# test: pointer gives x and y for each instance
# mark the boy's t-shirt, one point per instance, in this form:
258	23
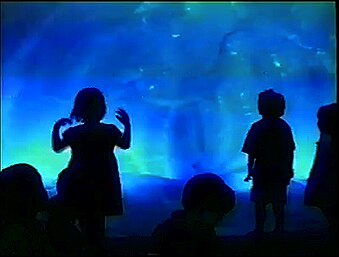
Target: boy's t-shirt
270	142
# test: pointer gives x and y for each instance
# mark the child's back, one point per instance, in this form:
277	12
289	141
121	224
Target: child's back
92	147
270	141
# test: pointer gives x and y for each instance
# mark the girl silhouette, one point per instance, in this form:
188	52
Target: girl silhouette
93	188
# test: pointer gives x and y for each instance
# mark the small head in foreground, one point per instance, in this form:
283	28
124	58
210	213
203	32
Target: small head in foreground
22	193
328	118
208	197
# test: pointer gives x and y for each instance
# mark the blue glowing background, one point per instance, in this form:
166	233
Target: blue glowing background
187	73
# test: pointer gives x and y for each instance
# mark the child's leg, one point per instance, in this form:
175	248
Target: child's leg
260	216
279	215
94	229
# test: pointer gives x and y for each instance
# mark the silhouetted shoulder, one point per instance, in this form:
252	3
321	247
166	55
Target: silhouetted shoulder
271	123
176	237
166	228
268	132
112	129
69	133
81	132
283	124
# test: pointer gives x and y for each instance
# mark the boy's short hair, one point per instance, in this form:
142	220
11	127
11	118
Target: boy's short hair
210	190
271	104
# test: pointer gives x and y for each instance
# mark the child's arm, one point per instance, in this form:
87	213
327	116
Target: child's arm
248	148
57	144
125	141
250	164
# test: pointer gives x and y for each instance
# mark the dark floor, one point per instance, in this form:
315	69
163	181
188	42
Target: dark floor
296	243
306	227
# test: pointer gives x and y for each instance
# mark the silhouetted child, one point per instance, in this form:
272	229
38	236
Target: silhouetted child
270	148
22	198
322	185
191	231
94	187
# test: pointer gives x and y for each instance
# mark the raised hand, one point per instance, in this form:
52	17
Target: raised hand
248	178
63	122
122	116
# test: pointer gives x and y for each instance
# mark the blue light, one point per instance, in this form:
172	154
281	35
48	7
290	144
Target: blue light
189	102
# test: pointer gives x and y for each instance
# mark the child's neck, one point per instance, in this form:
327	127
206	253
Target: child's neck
93	122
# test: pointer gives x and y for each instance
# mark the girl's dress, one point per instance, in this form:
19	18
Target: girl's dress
94	181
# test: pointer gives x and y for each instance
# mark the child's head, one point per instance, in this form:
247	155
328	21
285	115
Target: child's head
208	195
22	193
327	118
271	104
89	105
